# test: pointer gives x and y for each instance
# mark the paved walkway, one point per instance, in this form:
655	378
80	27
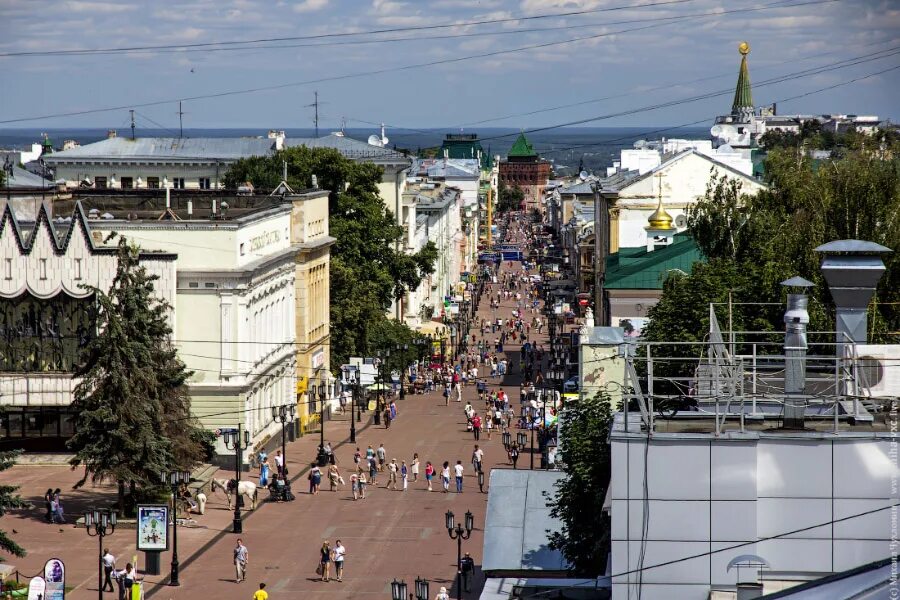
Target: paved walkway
390	534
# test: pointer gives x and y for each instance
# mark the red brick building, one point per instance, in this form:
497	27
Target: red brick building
523	168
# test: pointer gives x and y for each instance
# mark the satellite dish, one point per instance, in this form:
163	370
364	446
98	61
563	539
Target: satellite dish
681	221
375	140
640	144
715	130
583	175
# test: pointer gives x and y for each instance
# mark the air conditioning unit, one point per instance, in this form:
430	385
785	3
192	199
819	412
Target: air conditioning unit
876	370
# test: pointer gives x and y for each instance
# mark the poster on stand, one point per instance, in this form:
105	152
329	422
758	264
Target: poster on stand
55	579
36	588
152	527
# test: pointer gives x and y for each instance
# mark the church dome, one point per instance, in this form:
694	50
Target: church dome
660	219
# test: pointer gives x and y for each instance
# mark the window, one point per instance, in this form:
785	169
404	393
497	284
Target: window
178	183
100	183
43	268
77	268
127	183
8	268
204	183
242	250
153	183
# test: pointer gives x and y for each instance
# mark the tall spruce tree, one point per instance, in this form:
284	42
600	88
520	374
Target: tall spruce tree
133	414
9	500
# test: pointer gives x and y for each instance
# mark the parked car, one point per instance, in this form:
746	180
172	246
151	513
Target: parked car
571	384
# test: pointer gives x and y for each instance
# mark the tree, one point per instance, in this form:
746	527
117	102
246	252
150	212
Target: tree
752	243
9	500
132	404
510	198
369	267
584	440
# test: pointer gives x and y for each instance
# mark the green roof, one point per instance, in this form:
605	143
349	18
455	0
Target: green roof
637	269
743	97
465	146
522	148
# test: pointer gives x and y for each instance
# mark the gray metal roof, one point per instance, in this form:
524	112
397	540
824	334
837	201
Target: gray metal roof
852	246
872	581
515	529
581	187
349	147
452	168
121	148
22	178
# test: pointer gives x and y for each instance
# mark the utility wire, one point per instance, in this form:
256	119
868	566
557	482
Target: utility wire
350	33
386	69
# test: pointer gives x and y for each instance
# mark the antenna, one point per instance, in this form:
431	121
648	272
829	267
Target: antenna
315	105
384	139
132	123
343	124
180	123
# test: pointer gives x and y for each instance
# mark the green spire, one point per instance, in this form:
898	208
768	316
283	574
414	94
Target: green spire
743	97
522	148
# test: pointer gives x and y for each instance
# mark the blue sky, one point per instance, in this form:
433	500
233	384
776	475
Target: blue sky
641	68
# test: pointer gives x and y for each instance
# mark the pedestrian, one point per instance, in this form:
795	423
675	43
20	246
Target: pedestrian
315	478
415	467
477	458
387	417
361	484
445	476
392	475
129	577
382	457
357	456
109	564
393	407
442	594
514	455
476	426
279	462
354	485
48	502
404	474
373	471
339	553
333	477
264	472
58	512
467	566
325	559
241	558
458	469
429	474
329	453
261	593
369	452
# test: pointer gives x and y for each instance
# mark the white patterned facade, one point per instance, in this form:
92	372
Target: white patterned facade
42	264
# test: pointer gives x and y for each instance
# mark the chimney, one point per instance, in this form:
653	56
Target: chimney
749	591
110	134
852	269
278	136
190	208
168	198
796	318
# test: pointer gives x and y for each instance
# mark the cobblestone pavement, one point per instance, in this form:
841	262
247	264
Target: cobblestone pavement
390	534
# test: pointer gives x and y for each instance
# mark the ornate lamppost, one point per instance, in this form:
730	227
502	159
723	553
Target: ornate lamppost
99	524
285	414
235	441
174	479
458	532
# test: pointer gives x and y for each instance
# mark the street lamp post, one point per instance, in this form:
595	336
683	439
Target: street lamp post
398	590
403	366
102	523
422	589
353	400
323	395
457	532
521	440
234	441
174	479
285	414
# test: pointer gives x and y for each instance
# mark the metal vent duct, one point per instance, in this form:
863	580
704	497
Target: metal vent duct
852	269
796	319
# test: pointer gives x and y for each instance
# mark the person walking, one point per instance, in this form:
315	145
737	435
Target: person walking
429	474
467	567
392	475
315	478
476	426
414	467
445	476
241	558
442	594
48	502
458	470
382	457
261	593
404	475
59	515
333	477
264	472
339	553
325	560
109	565
361	484
373	471
477	458
279	462
354	485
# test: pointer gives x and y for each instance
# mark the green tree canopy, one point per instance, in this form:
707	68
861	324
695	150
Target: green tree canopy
584	440
752	243
9	500
132	404
369	265
510	198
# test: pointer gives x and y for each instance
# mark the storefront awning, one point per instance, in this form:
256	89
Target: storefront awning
435	329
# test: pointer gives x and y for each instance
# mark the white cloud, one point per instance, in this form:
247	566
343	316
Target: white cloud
97	7
388	7
305	6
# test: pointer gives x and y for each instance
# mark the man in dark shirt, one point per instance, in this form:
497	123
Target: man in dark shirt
467	566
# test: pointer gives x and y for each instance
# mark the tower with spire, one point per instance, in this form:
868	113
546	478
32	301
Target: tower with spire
742	108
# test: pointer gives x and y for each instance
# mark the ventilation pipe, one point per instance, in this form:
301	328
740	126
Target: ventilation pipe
852	269
168	198
190	208
749	591
796	319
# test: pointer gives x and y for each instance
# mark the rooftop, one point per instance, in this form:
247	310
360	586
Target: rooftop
522	148
350	148
122	148
453	168
637	269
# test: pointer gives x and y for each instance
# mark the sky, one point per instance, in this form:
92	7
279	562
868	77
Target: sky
628	60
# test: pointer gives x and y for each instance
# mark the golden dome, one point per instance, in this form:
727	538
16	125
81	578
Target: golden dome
660	219
744	48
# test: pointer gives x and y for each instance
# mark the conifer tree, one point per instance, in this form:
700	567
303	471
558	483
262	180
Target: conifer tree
131	403
9	500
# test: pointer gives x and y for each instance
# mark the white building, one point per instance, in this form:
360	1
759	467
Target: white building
234	304
46	318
